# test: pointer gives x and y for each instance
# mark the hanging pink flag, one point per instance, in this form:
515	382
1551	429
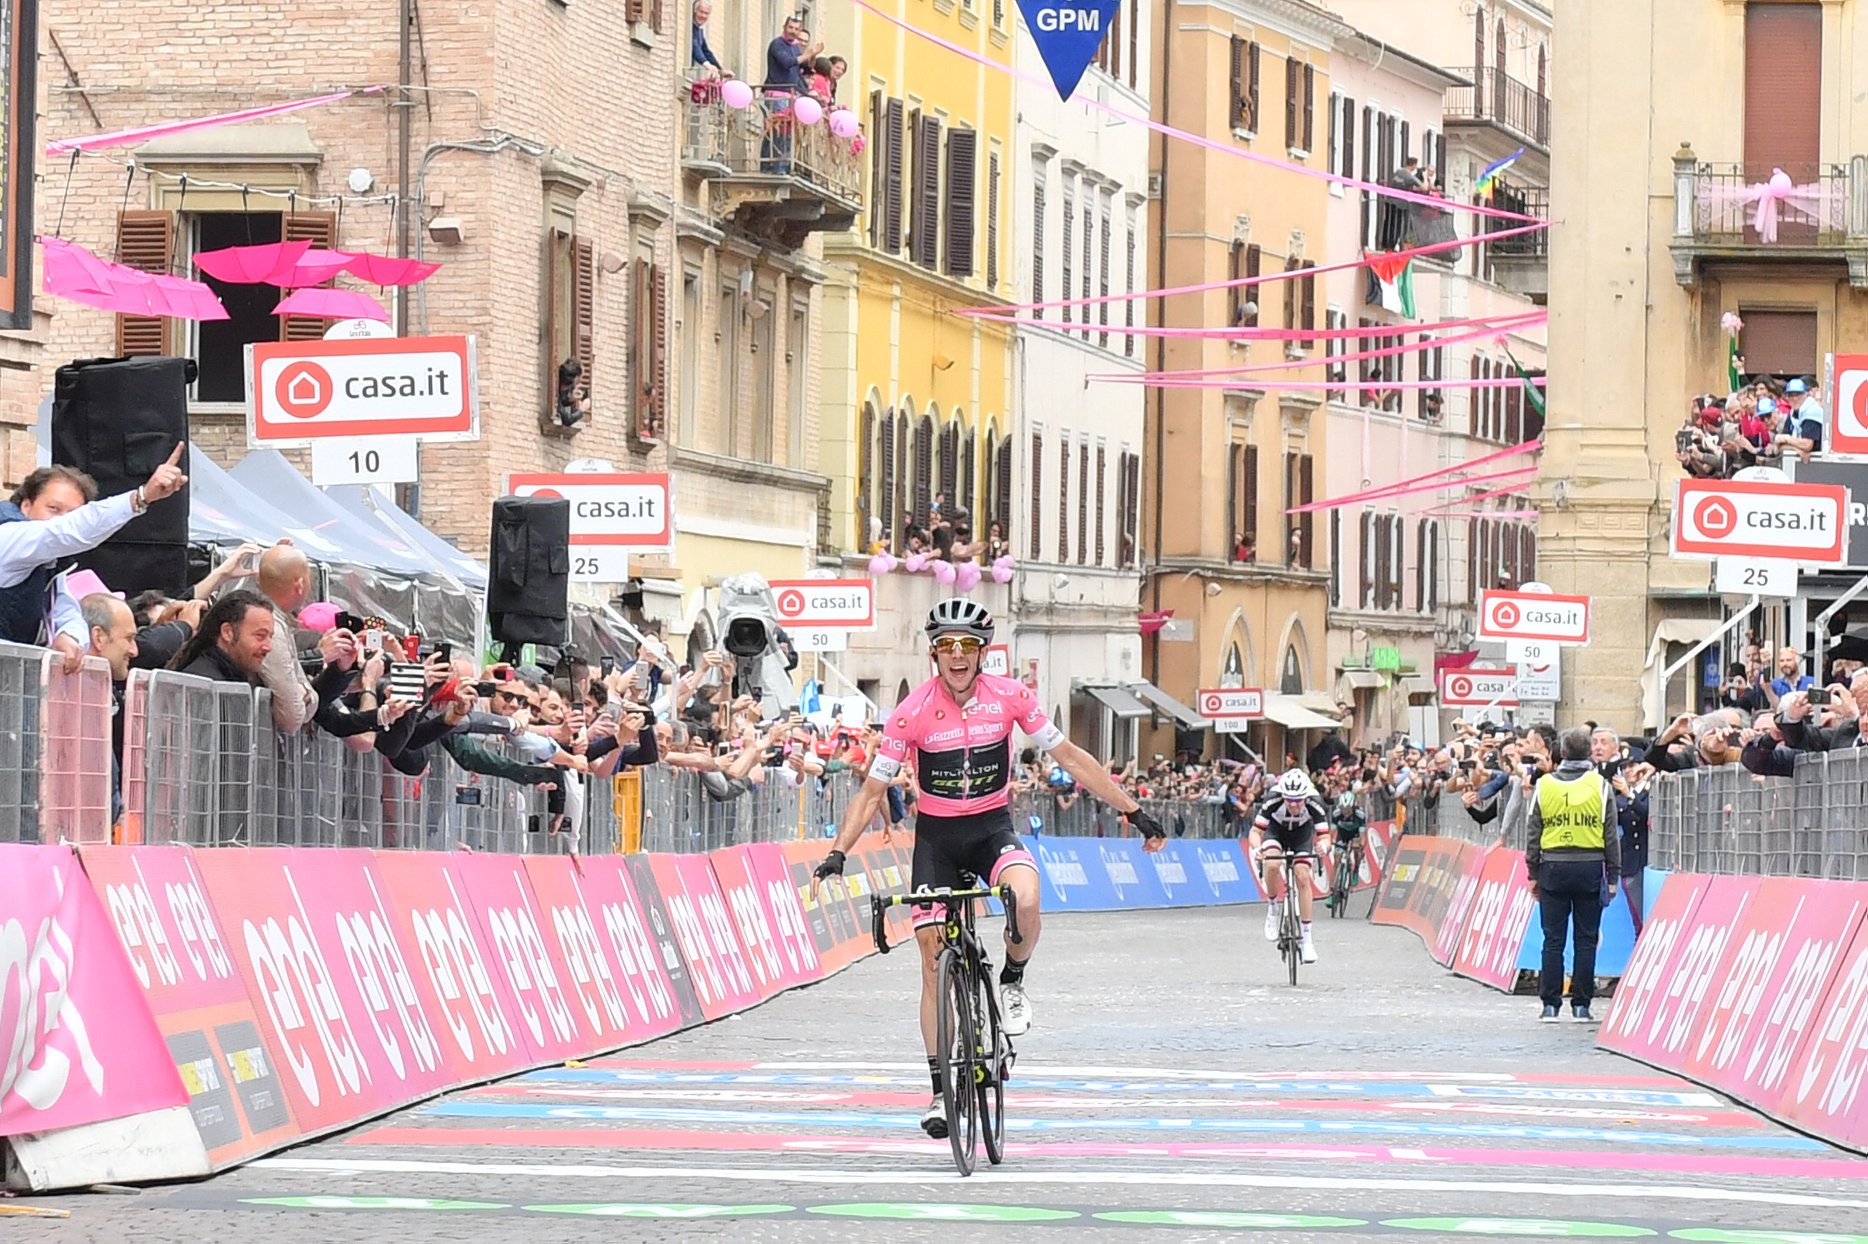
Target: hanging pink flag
81	1044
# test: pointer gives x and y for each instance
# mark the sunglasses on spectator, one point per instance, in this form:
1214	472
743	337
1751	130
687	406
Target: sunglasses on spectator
957	643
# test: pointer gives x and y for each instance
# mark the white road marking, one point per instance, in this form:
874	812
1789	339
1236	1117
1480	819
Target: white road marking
817	1175
1172	1073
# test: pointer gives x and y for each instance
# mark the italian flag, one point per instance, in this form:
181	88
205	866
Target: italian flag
1392	275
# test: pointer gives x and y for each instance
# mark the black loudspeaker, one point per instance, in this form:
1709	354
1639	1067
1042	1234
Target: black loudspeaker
117	420
528	586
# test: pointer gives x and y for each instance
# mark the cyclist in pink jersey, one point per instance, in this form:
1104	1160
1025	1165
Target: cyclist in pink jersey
958	726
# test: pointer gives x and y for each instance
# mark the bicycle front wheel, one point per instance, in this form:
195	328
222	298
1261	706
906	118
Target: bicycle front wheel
1293	928
956	1035
994	1052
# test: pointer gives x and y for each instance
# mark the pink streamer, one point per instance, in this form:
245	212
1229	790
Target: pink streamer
1350	386
1375	493
143	133
1406	486
1287	364
1169	131
1500	325
1240	282
1509	490
1443	512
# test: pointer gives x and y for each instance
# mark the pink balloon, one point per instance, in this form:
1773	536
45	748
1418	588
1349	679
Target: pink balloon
1001	573
966	576
843	123
736	94
916	563
944	572
807	110
1007	561
881	564
1781	185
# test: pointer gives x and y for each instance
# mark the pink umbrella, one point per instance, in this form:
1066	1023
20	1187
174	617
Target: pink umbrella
388	270
191	299
133	292
311	268
249	265
331	304
70	269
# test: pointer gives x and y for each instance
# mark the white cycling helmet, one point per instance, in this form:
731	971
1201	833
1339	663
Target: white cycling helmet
1295	785
958	615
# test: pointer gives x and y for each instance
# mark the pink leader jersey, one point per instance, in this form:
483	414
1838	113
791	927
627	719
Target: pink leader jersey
964	764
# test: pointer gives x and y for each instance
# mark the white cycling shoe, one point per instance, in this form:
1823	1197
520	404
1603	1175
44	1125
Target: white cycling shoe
1307	950
1271	922
1014	1010
934	1119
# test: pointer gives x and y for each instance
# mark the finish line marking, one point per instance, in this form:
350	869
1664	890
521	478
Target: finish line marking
1183	1073
816	1174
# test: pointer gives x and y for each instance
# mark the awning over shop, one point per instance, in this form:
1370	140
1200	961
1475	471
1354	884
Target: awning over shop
1412	685
1187	718
1361	680
1289	712
1119	701
1668	631
1321	702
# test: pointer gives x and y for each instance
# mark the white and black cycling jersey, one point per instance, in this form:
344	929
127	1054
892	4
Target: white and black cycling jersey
1275	816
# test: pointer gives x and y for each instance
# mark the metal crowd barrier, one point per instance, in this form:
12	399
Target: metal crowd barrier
1090	818
1447	816
1729	820
55	748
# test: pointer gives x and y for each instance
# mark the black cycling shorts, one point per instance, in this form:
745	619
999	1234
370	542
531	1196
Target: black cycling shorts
1294	841
951	850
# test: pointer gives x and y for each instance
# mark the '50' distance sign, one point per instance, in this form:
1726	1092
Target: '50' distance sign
825	604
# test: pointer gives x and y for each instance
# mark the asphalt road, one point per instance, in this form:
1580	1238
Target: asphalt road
1174	1086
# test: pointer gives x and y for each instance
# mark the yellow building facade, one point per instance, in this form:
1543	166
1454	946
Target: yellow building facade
1221	465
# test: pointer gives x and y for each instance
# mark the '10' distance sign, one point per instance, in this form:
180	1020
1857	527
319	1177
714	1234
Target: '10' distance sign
1534	615
825	604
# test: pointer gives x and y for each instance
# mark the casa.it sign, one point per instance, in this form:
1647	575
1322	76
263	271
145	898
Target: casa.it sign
825	604
1473	687
1534	615
1230	703
1849	433
616	510
301	391
1803	523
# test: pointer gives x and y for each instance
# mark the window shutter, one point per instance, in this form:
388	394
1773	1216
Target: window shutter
657	10
658	354
584	309
1306	493
1101	481
1238	83
1291	296
969	477
1102	308
1089	241
1063	500
1251	87
1037	496
888	508
1253	256
633	10
924	469
1235	294
926	241
146	242
641	345
1349	138
992	220
1310	105
1128	304
1307	314
1293	86
320	229
950	462
1131	522
878	168
1248	521
1235	478
894	130
1083	505
962	175
1070	225
1002	485
1406	144
1037	246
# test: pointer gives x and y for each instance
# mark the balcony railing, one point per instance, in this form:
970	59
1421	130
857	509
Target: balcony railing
764	142
1498	97
1526	201
1736	206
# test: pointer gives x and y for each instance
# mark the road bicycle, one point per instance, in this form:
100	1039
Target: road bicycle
976	1054
1343	868
1290	918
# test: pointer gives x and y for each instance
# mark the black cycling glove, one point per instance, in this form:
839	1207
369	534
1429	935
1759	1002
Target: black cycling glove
831	867
1144	824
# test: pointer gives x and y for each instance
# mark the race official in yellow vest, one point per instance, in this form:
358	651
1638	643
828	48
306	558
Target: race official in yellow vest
1574	857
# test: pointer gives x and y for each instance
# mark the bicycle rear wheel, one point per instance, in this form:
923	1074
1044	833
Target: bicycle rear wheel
1292	939
956	1035
994	1047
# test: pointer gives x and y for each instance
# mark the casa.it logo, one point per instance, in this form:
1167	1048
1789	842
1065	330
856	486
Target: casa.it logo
1212	704
304	390
550	494
1459	688
791	603
1504	615
1852	403
1715	517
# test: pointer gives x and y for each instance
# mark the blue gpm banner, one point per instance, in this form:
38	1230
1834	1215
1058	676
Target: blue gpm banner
1067	34
1109	874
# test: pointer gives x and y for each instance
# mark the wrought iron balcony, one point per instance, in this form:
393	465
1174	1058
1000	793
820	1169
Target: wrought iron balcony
1521	264
1808	213
1497	98
774	177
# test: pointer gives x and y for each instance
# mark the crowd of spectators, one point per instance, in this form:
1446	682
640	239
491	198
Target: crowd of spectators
1760	424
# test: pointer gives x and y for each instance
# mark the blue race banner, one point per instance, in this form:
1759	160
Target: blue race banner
1067	33
1132	878
1612	952
1074	876
1182	879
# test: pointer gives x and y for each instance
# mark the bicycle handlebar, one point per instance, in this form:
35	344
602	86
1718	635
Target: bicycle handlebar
879	905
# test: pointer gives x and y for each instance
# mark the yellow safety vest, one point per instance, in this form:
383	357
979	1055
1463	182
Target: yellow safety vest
1571	810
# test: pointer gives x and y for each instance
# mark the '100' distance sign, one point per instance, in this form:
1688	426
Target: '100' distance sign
825	604
1805	523
1231	703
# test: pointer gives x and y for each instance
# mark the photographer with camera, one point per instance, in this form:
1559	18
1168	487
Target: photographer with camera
1696	444
1844	714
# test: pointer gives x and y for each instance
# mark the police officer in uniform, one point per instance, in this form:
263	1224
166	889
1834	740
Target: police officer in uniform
1575	860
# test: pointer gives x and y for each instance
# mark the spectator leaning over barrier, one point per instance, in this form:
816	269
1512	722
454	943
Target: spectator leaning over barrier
1764	752
232	642
55	514
113	637
285	580
1845	723
1575	863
